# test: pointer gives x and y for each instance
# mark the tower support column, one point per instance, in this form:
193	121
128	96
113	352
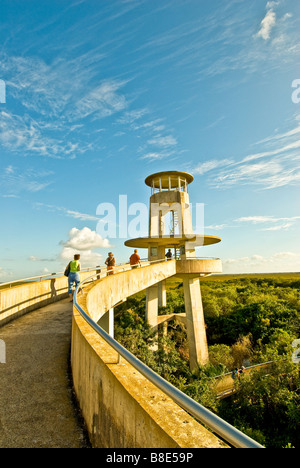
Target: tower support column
195	323
162	294
152	305
107	322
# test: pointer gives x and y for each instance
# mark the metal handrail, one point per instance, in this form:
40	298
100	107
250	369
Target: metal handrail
217	425
50	276
254	366
57	275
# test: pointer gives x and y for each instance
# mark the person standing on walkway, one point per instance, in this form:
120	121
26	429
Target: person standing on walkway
135	260
110	262
169	255
74	277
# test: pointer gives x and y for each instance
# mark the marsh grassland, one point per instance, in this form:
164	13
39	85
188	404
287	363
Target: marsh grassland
250	319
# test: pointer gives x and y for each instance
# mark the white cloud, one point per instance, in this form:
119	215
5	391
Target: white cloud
156	156
268	175
280	150
274	223
81	241
50	89
217	227
280	136
24	134
255	219
258	258
271	172
278	228
61	96
132	116
81	216
85	240
163	141
265	219
102	101
208	166
272	4
285	255
33	258
277	165
276	263
267	23
14	181
69	213
88	258
9	170
5	275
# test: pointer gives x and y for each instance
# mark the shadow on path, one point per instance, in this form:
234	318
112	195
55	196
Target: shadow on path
37	407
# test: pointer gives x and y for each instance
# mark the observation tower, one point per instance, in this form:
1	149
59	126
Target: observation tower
171	229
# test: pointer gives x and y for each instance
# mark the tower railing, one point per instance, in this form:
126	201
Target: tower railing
224	430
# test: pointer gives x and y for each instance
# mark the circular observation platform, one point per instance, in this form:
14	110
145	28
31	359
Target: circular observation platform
169	180
168	241
198	266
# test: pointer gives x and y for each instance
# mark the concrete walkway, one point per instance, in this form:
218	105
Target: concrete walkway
36	399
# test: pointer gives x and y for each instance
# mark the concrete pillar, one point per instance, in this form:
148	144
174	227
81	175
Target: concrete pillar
107	322
163	333
156	295
2	352
98	271
162	294
196	332
152	305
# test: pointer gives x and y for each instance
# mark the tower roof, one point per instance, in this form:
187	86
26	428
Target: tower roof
168	179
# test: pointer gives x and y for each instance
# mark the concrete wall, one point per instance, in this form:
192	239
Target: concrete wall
113	289
203	265
121	408
19	300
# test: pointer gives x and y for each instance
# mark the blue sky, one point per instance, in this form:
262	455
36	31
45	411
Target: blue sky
102	93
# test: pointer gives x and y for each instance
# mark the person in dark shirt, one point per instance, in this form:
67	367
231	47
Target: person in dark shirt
169	255
110	262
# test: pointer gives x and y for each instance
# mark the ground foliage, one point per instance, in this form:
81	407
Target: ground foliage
249	320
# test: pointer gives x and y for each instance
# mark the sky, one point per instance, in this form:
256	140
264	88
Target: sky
95	95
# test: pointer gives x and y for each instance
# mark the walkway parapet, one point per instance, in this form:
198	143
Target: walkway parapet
200	413
22	296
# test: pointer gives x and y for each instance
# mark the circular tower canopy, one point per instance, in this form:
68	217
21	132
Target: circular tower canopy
169	180
197	240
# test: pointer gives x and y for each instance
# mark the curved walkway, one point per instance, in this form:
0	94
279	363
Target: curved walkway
36	398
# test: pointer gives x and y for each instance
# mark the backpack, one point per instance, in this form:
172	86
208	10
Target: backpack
67	270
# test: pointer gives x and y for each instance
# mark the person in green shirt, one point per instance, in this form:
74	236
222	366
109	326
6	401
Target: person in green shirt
74	277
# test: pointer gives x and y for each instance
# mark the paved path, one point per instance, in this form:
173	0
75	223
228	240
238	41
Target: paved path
36	399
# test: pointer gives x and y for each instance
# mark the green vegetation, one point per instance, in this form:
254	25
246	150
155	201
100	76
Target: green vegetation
250	320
